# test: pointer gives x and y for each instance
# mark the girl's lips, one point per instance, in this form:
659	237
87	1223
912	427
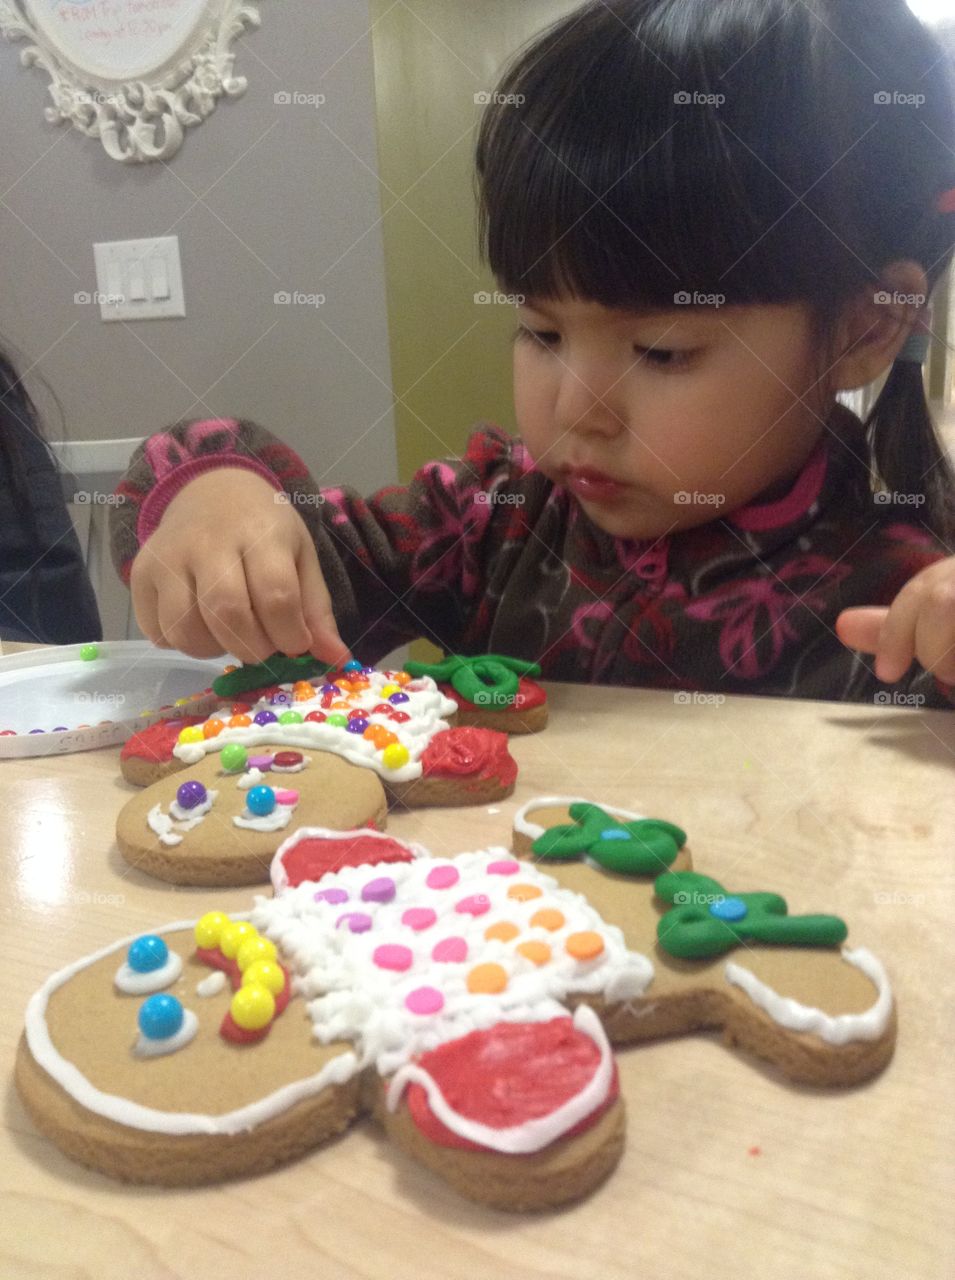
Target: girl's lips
593	486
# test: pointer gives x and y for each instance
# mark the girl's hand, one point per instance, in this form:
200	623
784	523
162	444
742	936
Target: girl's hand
232	568
920	623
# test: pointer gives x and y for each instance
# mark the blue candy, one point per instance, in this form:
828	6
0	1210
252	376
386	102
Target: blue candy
261	801
147	954
728	909
160	1017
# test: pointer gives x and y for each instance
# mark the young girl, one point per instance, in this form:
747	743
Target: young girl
718	215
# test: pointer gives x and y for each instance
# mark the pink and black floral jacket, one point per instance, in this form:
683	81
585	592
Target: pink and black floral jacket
484	554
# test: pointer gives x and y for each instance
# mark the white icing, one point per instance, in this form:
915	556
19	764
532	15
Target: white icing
212	984
532	830
835	1029
277	871
530	1135
278	819
133	1114
132	983
170	827
427	707
146	1048
254	778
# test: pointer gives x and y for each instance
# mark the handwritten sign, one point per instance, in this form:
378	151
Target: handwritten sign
120	39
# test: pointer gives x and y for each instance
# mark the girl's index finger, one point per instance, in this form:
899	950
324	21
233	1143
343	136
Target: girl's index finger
861	628
896	648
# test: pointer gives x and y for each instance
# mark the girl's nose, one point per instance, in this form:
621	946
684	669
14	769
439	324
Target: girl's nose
588	403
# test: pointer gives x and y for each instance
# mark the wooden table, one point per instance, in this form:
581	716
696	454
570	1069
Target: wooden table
727	1171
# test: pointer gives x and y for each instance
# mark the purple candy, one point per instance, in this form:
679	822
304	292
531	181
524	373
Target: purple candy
358	922
398	697
265	717
358	725
281	698
36	730
262	763
190	794
381	890
59	728
334	896
367	671
330	688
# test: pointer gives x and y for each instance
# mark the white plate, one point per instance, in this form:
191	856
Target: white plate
129	686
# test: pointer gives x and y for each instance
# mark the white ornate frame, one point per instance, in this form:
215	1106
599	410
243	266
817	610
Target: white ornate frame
141	116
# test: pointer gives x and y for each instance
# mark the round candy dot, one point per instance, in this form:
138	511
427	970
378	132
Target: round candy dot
212	728
36	730
303	695
357	921
8	733
393	956
239	722
401	677
504	931
358	725
303	686
388	689
233	935
209	928
260	801
548	918
262	763
61	728
400	717
341	704
487	979
88	652
357	714
160	1016
524	892
475	905
286	796
382	709
424	1000
337	718
239	708
419	918
352	665
265	717
443	877
147	954
330	688
334	896
378	735
291	717
586	945
380	890
233	757
191	733
252	949
505	867
252	1007
191	794
315	717
537	952
450	950
288	759
728	909
395	698
265	973
395	755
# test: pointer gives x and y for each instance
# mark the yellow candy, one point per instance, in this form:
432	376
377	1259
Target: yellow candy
209	928
394	756
253	949
180	702
233	935
191	733
387	689
253	1007
265	973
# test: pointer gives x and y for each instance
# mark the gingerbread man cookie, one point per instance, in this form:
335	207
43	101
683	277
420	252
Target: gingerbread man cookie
491	691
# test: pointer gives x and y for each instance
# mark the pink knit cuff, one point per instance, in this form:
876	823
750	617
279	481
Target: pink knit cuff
158	499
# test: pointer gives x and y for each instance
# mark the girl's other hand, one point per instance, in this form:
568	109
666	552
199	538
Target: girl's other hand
919	624
232	569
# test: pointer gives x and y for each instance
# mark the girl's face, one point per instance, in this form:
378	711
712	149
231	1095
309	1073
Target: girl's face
661	421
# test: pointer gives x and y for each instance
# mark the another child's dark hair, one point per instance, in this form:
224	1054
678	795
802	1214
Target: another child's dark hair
606	172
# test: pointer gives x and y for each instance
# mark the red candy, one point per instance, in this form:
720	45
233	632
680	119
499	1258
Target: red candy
240	708
287	759
316	717
399	716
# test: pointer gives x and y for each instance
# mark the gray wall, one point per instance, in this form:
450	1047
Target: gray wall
289	211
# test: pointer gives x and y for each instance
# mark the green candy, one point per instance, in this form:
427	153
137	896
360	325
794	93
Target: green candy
486	680
233	757
638	848
89	652
290	717
337	718
277	669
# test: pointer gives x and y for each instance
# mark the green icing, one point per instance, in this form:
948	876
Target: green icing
277	669
691	931
637	848
487	680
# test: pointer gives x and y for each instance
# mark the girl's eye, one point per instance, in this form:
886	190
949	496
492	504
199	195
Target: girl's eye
662	358
542	338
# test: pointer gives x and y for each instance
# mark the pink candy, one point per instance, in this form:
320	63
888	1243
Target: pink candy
424	1000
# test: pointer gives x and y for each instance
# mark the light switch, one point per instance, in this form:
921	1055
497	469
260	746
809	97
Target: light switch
139	279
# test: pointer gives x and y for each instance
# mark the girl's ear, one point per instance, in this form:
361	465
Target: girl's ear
874	326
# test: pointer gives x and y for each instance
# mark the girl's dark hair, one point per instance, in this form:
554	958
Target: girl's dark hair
608	170
17	415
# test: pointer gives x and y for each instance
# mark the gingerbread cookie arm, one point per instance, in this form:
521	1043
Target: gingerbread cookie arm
460	766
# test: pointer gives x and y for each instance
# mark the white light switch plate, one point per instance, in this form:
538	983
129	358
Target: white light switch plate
139	279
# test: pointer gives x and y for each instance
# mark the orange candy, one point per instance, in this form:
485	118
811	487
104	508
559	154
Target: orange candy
240	722
341	704
212	728
303	695
524	892
502	932
380	736
584	946
401	677
487	979
537	952
548	919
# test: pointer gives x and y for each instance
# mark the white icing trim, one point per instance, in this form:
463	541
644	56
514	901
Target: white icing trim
252	778
532	1135
532	829
837	1029
185	819
277	872
133	983
277	820
132	1114
211	984
146	1048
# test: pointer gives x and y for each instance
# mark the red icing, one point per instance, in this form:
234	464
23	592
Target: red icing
229	1029
469	753
506	1075
529	694
314	856
156	742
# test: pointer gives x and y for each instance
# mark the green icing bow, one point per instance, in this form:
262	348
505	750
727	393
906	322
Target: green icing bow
487	680
277	669
706	920
637	848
